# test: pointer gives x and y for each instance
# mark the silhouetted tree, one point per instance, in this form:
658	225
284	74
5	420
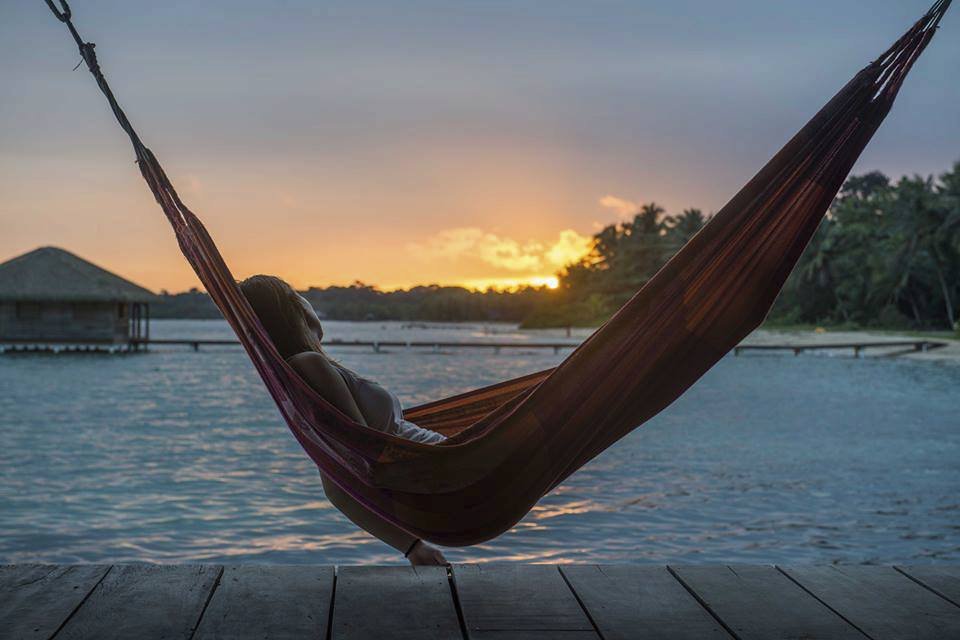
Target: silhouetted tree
885	255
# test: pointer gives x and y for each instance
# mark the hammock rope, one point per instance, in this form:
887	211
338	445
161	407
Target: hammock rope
512	442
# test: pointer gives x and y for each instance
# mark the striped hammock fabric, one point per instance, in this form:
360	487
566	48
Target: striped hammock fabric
513	442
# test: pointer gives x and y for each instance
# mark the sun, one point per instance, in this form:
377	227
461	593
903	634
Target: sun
550	282
510	283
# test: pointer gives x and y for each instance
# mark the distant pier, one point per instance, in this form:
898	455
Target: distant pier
378	346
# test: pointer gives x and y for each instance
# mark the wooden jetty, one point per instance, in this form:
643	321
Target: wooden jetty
63	347
144	344
380	345
485	601
797	349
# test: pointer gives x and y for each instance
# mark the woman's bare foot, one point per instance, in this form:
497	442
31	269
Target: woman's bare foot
425	554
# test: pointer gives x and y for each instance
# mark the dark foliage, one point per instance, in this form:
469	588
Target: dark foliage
193	304
426	303
886	255
362	302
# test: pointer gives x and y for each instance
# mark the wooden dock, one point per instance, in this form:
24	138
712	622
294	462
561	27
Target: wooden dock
488	601
900	346
380	345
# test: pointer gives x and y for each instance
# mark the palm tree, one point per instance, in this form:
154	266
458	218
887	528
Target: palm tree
648	220
686	225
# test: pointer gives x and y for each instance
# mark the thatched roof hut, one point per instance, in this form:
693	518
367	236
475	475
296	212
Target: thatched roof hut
51	295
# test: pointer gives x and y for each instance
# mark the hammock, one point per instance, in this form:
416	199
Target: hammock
511	443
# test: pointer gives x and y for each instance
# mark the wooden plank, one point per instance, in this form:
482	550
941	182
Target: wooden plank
144	601
36	599
881	601
759	602
941	578
627	602
514	601
269	601
394	602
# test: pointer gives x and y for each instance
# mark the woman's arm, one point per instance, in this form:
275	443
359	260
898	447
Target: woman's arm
324	378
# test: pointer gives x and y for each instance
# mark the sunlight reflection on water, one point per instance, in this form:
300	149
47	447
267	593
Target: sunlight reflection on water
176	456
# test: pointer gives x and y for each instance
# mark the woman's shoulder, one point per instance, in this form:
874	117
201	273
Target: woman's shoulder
319	371
315	365
306	357
311	363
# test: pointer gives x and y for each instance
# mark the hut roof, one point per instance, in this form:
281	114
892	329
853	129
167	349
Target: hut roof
51	273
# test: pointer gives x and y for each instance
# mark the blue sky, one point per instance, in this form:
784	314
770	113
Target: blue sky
424	141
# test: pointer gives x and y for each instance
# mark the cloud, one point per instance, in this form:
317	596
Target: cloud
570	247
624	208
503	252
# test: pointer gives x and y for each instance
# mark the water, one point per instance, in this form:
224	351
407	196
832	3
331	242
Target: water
176	456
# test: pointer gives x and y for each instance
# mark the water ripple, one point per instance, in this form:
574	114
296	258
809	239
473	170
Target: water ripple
176	456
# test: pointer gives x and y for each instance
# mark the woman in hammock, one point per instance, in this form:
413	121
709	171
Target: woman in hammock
295	329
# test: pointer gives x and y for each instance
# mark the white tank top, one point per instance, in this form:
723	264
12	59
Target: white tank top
382	409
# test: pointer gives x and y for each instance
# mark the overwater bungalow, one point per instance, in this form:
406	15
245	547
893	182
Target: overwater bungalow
51	298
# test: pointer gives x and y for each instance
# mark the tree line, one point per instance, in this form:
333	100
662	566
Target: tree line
622	258
359	301
887	255
430	303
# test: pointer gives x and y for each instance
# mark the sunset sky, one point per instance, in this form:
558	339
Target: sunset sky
446	142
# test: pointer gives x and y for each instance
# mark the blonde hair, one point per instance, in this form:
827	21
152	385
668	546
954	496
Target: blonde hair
281	313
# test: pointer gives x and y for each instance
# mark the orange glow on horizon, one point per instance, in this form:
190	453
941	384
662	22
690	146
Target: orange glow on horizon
473	284
508	283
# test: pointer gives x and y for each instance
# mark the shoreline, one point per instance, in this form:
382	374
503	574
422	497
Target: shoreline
826	337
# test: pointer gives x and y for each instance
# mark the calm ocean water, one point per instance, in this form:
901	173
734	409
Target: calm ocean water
176	456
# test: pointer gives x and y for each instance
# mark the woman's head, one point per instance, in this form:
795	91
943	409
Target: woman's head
290	321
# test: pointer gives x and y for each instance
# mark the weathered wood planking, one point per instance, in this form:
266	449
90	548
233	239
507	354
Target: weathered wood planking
144	601
944	579
36	599
394	602
497	601
759	602
514	601
646	602
882	602
269	601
